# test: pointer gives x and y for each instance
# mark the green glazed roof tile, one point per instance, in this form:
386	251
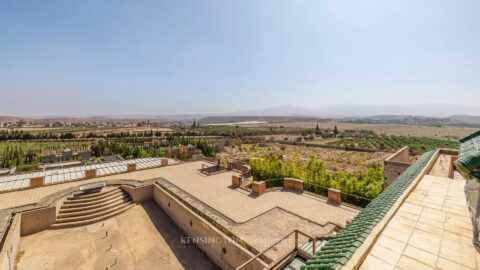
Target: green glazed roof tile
340	248
468	162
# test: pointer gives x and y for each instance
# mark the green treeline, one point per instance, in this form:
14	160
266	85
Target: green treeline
13	154
368	183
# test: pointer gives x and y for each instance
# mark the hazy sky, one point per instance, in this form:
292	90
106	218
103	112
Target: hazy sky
168	57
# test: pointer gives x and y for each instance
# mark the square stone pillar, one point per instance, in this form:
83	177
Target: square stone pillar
292	183
37	182
131	167
334	195
164	162
92	173
236	181
259	187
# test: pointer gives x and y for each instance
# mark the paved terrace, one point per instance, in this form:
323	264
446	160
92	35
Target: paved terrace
431	230
62	175
212	190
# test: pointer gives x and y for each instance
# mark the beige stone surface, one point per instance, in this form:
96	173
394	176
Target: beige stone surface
214	190
143	237
431	230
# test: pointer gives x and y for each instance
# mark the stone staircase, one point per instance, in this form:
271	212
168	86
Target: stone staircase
79	210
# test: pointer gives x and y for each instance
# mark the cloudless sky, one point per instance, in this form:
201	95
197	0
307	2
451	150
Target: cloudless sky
168	57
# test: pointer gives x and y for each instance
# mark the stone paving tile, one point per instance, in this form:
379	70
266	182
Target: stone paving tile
373	263
460	254
431	230
406	263
213	190
391	244
385	254
421	256
397	235
444	264
426	241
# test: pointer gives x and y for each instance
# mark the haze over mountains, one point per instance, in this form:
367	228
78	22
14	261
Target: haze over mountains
427	114
429	110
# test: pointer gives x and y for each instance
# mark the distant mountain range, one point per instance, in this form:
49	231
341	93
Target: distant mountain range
339	111
460	121
427	114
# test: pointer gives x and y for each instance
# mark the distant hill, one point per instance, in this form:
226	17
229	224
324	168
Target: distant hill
466	121
466	118
269	119
10	118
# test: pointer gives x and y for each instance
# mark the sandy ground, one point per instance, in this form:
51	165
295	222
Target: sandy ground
144	237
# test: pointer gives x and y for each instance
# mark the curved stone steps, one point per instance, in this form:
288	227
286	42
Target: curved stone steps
86	209
82	204
92	210
95	199
90	221
90	207
96	214
94	195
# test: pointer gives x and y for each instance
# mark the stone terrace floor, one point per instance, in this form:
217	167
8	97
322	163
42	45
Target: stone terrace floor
431	230
213	190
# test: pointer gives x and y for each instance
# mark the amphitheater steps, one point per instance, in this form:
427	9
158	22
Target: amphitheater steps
93	197
80	210
93	203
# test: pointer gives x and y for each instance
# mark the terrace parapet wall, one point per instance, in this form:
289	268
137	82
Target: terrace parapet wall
395	165
10	247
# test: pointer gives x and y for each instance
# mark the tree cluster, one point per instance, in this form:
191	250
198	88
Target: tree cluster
367	183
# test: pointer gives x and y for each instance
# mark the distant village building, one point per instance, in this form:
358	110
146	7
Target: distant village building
111	159
65	155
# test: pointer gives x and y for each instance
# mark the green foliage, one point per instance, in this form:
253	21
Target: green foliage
23	153
370	140
367	183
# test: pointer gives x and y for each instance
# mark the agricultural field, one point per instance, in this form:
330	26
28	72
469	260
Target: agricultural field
446	132
82	131
336	160
28	153
370	140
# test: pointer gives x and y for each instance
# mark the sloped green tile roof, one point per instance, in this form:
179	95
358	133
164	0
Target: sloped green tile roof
340	248
468	162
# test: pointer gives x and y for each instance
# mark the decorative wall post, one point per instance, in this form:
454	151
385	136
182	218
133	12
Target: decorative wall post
259	187
92	173
236	181
37	182
131	167
164	162
334	195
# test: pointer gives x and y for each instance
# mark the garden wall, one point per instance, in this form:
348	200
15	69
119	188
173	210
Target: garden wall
221	249
9	251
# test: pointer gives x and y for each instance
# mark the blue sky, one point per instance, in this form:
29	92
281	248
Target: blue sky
170	57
